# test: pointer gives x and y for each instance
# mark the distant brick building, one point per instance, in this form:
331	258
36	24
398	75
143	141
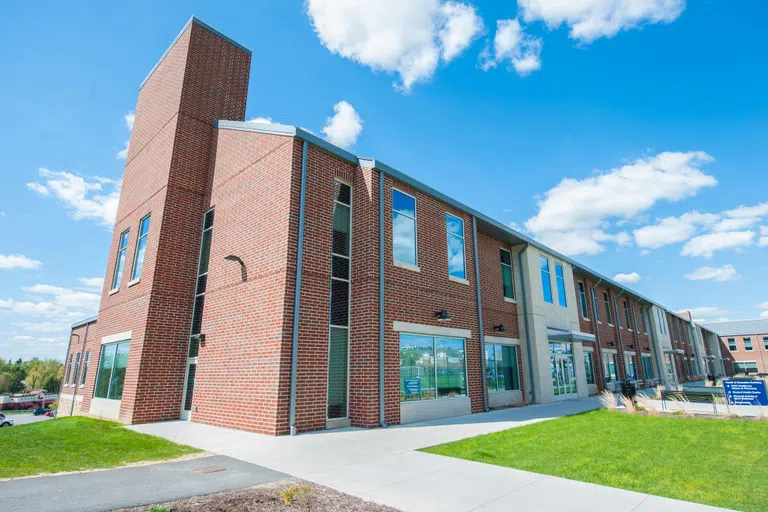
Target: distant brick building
744	344
262	279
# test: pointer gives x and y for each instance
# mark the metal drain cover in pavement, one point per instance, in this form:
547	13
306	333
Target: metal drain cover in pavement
212	469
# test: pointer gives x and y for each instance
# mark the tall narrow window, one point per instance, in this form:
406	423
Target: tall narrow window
141	248
765	342
595	305
86	362
112	366
507	282
560	278
608	313
748	344
627	315
120	263
609	367
583	300
404	228
642	318
454	228
647	367
546	279
589	367
68	380
202	284
501	368
76	376
338	345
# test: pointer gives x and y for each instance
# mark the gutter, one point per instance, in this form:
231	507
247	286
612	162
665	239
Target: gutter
479	314
297	291
79	369
525	322
382	418
598	349
618	330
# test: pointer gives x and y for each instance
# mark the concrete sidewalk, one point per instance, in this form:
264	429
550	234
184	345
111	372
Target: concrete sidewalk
135	486
382	465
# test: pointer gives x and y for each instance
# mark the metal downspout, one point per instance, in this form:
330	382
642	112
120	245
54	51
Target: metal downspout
525	322
79	369
618	324
297	291
656	347
479	313
637	337
382	420
598	349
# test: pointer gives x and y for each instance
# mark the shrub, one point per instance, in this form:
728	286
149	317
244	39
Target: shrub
608	400
299	494
628	403
648	405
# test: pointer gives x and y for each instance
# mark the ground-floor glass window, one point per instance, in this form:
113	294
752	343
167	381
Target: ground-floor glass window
747	367
648	367
589	367
501	370
609	367
431	367
631	367
111	375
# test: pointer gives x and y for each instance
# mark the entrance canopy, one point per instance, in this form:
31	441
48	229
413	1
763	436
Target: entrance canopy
563	335
674	351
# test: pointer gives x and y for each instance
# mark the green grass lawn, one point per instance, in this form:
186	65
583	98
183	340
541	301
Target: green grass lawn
717	462
78	443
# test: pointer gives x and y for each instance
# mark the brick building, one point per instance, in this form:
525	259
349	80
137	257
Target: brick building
262	279
744	345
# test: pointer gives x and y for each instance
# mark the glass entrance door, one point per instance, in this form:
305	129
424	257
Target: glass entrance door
563	370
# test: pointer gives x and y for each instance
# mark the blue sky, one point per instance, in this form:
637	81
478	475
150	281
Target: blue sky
629	134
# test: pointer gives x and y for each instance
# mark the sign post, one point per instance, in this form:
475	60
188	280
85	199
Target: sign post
745	392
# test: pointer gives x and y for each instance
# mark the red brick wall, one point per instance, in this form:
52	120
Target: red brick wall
86	342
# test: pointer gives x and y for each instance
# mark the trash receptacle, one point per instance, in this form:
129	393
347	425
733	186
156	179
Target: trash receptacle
629	390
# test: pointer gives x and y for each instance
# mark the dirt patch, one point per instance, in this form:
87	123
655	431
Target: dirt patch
270	498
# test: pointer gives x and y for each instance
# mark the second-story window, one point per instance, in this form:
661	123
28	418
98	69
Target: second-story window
642	317
86	362
627	315
507	282
765	342
732	344
748	344
454	227
546	279
560	278
141	248
120	263
404	228
595	305
583	301
608	313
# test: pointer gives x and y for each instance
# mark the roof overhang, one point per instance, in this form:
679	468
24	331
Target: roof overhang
563	335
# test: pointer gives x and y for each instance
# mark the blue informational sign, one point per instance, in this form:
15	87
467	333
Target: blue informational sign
745	392
412	386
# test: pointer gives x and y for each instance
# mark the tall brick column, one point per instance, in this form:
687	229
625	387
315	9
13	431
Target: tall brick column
202	77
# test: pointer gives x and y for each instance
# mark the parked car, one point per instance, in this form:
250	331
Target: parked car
40	411
51	414
5	422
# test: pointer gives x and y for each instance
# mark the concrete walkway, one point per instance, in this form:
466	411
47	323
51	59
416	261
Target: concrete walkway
135	486
382	465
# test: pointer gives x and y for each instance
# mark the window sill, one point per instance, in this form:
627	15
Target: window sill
135	281
407	266
511	301
114	291
458	280
586	319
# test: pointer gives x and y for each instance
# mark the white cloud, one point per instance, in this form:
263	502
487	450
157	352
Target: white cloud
66	298
344	126
762	241
592	19
512	44
123	153
407	37
764	314
705	313
763	305
92	282
35	339
85	198
37	187
759	210
630	278
707	245
574	215
721	274
260	120
671	230
9	261
130	117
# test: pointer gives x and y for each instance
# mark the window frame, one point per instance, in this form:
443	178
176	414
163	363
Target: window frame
608	313
434	339
738	367
86	362
68	380
750	347
589	367
104	347
626	314
122	250
76	376
732	346
562	299
765	342
141	238
516	380
583	308
548	281
463	239
415	219
511	273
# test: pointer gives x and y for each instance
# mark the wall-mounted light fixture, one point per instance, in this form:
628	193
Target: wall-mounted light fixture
243	271
499	328
442	315
199	337
630	346
611	343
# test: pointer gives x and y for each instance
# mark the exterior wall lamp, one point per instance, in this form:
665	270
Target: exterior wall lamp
499	328
442	315
243	271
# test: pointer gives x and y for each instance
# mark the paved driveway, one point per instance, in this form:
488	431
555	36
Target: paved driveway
382	465
133	486
24	419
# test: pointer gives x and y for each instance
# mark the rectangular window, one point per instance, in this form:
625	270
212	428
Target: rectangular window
404	228
202	284
645	324
68	380
745	367
507	282
111	375
338	344
120	263
647	367
454	228
732	344
501	368
583	301
609	367
431	367
631	367
627	316
765	342
589	367
560	278
608	313
595	307
86	362
141	248
546	279
748	344
76	376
